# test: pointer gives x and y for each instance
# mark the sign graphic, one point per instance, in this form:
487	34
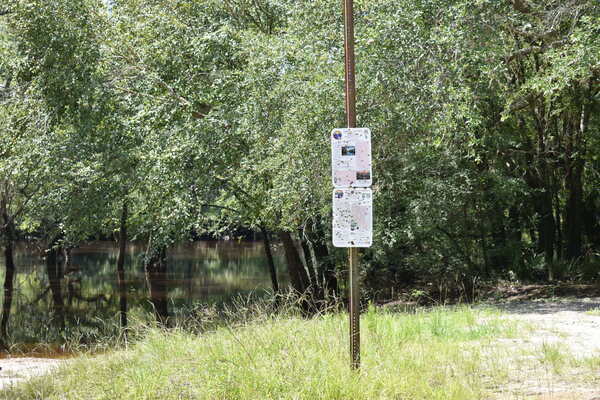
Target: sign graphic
351	157
352	217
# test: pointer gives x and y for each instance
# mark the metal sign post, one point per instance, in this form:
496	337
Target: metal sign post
352	222
354	308
354	304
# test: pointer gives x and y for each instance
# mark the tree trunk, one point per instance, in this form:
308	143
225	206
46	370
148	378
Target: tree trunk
54	271
485	271
592	219
515	241
270	261
575	164
499	248
310	267
189	279
326	266
547	230
318	290
67	260
559	233
591	226
298	277
73	280
156	276
538	175
546	227
8	278
121	267
573	212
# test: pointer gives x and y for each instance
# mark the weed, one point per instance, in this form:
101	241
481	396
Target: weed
553	356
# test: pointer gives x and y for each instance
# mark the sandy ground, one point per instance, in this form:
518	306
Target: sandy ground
17	369
562	321
563	324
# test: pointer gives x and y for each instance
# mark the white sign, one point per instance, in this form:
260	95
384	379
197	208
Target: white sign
352	217
351	157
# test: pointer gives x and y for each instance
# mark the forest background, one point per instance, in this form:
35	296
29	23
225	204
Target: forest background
164	121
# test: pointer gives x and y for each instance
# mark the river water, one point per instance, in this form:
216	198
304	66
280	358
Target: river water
205	273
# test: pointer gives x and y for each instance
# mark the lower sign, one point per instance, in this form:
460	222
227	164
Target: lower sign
352	217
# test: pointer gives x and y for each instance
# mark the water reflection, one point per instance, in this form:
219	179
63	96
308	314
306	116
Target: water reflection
202	272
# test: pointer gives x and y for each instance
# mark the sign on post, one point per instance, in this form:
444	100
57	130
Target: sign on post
351	157
352	217
351	174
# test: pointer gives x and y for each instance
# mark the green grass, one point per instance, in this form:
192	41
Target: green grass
588	367
553	355
437	354
595	311
592	364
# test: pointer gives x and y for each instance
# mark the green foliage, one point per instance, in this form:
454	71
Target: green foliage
58	43
206	115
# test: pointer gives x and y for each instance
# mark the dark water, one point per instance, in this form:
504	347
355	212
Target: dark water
200	273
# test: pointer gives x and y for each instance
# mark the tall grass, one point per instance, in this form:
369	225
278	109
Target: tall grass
281	355
553	355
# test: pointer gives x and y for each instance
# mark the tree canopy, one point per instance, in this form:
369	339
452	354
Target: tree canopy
204	115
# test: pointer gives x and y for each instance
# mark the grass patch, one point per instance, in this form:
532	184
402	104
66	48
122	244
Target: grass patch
595	311
590	366
552	355
434	354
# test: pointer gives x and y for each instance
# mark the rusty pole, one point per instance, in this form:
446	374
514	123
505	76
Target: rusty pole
350	63
350	86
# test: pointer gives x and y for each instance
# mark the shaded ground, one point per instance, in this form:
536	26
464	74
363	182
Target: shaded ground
512	293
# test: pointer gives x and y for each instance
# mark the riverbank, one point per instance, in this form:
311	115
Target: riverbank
441	353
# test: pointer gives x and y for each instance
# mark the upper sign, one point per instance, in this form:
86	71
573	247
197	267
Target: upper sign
351	157
352	217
